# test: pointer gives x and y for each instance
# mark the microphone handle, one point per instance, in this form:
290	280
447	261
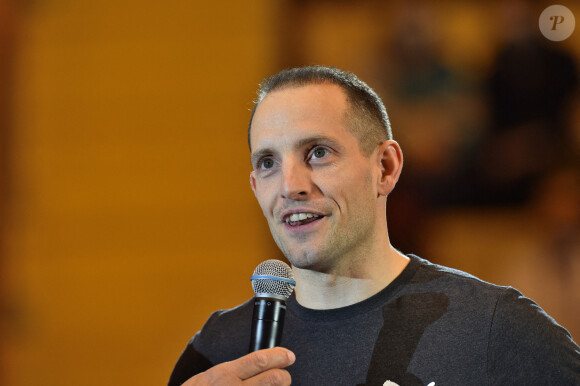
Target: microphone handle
267	323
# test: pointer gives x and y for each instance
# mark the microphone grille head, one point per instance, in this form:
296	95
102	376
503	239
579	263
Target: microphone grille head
273	278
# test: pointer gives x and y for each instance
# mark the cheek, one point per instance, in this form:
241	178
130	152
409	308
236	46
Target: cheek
360	192
264	195
355	182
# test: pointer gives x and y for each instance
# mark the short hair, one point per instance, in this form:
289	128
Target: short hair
368	119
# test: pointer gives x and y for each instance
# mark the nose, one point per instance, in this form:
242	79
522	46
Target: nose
296	180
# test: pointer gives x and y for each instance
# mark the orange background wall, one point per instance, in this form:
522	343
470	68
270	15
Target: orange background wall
132	215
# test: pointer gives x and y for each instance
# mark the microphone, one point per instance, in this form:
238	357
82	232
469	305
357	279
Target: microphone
273	283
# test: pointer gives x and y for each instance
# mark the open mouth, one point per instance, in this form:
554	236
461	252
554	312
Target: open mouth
297	219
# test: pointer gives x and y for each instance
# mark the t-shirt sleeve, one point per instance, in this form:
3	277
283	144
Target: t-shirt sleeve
190	363
527	346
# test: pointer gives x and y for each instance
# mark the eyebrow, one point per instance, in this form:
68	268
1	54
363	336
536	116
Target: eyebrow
301	143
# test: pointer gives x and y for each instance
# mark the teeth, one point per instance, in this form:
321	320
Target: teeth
299	216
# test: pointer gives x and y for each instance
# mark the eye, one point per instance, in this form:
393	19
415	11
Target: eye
266	163
319	152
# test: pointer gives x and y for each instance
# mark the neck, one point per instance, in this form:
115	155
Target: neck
351	283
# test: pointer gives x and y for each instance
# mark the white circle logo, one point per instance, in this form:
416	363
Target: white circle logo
557	23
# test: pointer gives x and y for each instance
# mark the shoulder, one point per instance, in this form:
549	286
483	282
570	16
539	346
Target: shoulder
527	344
456	283
225	334
226	326
524	343
223	337
223	328
231	314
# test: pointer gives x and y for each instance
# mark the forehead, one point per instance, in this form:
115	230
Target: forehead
293	113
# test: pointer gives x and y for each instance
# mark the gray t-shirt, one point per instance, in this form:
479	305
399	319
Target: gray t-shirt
431	326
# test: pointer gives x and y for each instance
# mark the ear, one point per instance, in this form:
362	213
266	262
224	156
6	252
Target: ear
253	182
389	158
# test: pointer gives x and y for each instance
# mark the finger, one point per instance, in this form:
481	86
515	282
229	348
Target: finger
273	377
261	361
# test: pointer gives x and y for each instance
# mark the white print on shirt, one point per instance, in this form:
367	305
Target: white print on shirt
389	383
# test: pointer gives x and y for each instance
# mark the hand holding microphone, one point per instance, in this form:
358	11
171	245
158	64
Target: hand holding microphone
273	283
264	367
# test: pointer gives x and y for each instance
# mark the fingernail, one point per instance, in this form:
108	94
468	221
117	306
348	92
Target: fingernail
291	356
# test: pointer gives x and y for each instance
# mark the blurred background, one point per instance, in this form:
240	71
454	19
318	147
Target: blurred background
126	216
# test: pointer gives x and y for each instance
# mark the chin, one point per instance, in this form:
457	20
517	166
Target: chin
302	259
308	260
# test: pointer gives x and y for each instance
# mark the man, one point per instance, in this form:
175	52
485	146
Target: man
363	313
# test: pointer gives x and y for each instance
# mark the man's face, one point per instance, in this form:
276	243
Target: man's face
315	187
